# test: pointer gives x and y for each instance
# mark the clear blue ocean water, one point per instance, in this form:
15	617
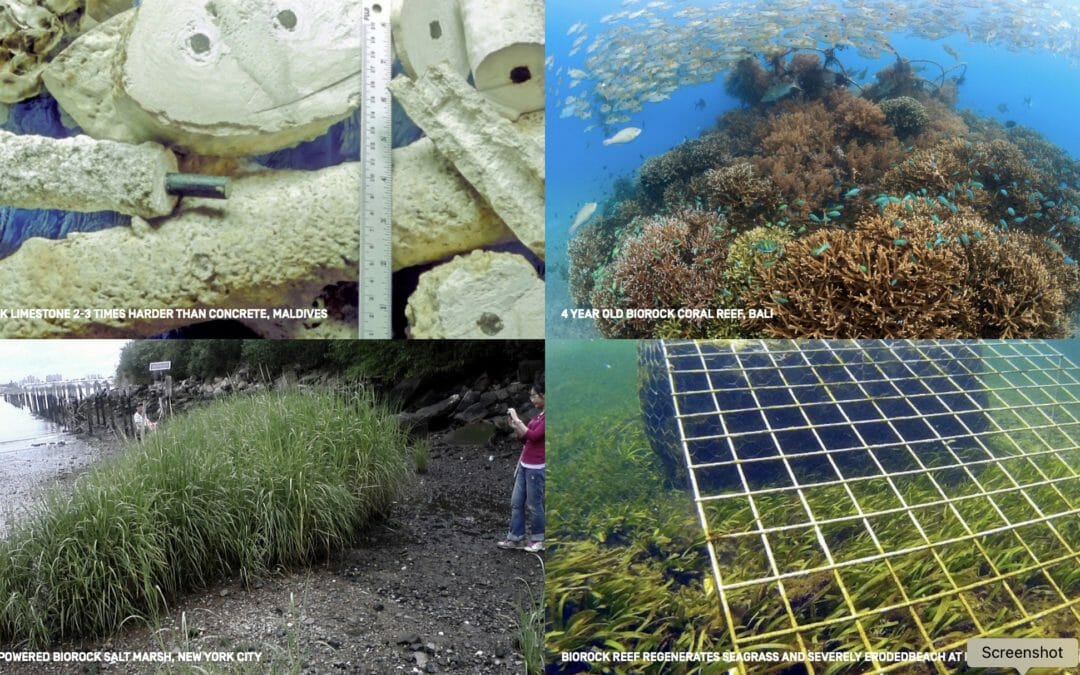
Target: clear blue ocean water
581	169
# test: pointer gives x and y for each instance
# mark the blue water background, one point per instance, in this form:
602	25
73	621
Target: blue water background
581	169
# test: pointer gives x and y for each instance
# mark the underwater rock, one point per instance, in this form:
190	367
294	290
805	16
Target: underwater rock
427	33
81	78
81	174
481	295
505	41
226	79
504	164
438	213
278	240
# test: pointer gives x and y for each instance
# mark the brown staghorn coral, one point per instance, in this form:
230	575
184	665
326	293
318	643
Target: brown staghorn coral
952	277
1015	293
808	148
674	262
745	197
857	284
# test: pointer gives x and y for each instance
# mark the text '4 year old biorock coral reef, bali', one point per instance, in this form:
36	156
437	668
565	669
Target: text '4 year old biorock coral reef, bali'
849	187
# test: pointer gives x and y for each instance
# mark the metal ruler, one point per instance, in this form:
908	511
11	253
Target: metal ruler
375	162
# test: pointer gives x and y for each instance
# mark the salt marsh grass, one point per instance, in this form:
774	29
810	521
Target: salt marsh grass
241	487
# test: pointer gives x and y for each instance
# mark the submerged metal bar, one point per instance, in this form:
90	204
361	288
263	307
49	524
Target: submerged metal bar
197	185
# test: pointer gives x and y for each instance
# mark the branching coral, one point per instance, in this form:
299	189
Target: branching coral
673	262
911	274
808	148
905	115
751	252
744	196
594	246
1016	295
678	164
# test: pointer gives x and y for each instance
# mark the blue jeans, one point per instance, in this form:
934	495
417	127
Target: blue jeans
528	491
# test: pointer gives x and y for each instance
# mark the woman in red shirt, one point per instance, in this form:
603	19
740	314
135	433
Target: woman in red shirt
528	479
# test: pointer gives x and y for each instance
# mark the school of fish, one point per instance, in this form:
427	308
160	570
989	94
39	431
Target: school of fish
644	50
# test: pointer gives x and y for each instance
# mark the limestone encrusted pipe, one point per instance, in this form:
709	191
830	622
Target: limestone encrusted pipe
481	295
426	33
81	174
505	41
504	164
276	242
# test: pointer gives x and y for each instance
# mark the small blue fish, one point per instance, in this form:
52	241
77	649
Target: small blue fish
820	249
781	207
767	246
1003	192
815	218
1049	203
976	184
899	242
964	239
898	223
801	230
1002	223
934	218
1010	211
978	235
892	282
833	214
1019	219
862	268
941	198
779	298
851	193
1069	261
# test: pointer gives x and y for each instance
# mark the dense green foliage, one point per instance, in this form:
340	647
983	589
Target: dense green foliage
353	359
243	487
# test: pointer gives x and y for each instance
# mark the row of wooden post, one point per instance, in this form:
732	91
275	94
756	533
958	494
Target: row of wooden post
65	405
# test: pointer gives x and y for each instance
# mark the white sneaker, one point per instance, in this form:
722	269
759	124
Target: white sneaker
535	546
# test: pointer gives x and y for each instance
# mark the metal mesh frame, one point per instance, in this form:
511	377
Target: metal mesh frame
950	415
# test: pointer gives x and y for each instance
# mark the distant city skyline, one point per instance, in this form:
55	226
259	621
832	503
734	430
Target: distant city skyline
73	359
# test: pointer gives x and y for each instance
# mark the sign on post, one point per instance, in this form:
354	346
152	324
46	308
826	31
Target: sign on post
160	365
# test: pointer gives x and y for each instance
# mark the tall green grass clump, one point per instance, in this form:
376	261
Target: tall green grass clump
241	487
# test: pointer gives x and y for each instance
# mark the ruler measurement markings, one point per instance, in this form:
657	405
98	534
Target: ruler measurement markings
376	242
